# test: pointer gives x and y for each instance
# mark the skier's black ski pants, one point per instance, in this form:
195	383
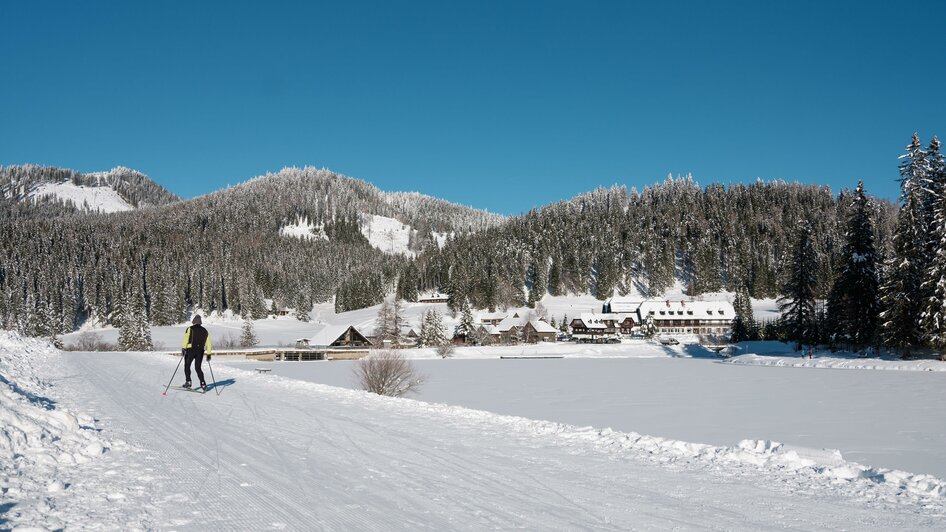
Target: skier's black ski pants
197	357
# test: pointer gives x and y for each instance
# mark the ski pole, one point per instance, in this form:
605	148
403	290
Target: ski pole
212	377
175	373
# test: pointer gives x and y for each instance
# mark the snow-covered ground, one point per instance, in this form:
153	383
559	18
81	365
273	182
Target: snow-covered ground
270	452
102	199
304	229
387	234
860	413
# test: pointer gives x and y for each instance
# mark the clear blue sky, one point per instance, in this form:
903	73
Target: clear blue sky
500	105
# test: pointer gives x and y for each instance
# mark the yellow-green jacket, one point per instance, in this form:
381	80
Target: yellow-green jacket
196	337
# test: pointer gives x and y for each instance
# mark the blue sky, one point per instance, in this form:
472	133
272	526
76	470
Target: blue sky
500	105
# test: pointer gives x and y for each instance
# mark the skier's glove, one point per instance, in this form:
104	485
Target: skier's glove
183	351
208	358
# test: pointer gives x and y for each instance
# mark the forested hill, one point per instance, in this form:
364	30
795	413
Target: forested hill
612	240
306	235
42	191
224	251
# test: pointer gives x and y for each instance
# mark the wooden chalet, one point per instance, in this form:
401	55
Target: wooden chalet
538	331
339	336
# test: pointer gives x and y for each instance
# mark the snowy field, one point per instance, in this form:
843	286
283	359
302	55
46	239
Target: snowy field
864	414
89	442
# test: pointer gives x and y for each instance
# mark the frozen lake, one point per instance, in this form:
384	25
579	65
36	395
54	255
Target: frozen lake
894	419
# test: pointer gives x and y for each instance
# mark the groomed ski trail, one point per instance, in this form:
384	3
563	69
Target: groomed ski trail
273	453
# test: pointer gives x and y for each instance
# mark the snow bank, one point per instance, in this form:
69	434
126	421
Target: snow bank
796	467
38	440
783	355
101	199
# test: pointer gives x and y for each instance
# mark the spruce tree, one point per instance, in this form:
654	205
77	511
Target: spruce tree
933	320
432	331
853	305
901	293
649	328
466	327
743	325
797	303
248	334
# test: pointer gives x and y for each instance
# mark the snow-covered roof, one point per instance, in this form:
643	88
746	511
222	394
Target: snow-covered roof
542	327
489	328
662	309
623	304
593	321
515	319
490	316
426	296
328	335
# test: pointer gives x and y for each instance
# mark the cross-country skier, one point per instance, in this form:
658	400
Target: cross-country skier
196	345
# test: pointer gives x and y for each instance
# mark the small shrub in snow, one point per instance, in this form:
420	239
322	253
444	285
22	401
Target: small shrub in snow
87	341
227	342
445	350
386	372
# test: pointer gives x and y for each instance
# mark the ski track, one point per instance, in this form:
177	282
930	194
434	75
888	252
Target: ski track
267	455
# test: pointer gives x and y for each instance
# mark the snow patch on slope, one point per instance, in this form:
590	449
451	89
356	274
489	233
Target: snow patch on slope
101	199
387	234
304	229
39	442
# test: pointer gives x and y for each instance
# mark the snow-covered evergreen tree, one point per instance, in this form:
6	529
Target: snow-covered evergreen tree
797	303
743	325
649	327
466	327
853	304
901	293
433	333
933	320
248	333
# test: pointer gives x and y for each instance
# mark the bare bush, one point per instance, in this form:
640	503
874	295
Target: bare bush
387	372
227	342
87	341
445	350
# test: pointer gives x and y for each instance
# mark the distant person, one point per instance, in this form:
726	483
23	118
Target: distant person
196	345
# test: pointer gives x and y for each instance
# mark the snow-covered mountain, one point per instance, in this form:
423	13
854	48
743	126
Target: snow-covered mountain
42	191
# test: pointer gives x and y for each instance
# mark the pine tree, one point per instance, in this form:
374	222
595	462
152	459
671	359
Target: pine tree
397	321
797	304
383	322
248	334
649	327
933	319
466	327
901	291
303	307
134	334
433	333
743	325
128	330
564	325
853	304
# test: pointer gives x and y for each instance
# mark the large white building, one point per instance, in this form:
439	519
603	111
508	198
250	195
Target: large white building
624	316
